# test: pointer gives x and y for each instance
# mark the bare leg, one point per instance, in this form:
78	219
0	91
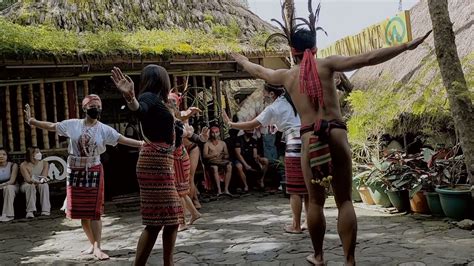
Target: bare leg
304	226
265	163
146	242
183	226
315	217
169	240
96	226
243	177
190	207
194	158
296	206
342	185
215	173
86	226
228	176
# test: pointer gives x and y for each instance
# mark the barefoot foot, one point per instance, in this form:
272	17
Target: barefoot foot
311	259
100	255
88	251
194	218
290	229
182	227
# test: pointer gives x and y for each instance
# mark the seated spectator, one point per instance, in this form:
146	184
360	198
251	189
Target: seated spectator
248	159
35	171
216	157
8	183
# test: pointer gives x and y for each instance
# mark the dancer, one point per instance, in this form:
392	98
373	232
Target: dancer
159	200
310	84
282	113
182	164
85	183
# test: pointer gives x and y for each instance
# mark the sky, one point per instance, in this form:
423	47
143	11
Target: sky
339	18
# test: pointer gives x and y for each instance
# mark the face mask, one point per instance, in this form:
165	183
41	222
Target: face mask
38	156
93	113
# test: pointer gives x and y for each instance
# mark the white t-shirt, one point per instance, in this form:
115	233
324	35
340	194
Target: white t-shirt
281	114
93	140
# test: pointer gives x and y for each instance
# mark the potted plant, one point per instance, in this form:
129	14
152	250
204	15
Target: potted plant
377	185
456	197
360	182
400	178
429	181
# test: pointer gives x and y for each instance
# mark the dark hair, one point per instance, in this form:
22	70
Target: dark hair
277	90
29	153
155	79
4	149
303	39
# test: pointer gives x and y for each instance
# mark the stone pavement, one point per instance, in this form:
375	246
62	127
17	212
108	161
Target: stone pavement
247	230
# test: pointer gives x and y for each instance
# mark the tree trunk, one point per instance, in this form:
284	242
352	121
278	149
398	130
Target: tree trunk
453	79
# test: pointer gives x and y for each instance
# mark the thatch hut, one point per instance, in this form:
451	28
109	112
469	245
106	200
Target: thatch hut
406	95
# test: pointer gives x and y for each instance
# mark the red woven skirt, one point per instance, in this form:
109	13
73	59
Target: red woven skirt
159	200
293	172
182	168
85	193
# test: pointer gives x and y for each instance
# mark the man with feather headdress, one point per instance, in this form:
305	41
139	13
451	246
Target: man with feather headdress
326	156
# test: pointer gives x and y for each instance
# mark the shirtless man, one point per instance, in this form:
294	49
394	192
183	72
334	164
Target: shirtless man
316	101
216	155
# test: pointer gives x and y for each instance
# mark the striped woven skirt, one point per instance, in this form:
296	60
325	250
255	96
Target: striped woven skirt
85	193
182	168
159	201
293	172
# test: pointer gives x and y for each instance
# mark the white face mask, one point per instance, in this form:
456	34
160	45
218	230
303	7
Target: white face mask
38	156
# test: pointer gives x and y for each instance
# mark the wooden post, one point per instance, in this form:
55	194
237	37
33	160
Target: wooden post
31	98
21	120
9	118
204	98
76	96
228	109
86	87
195	92
175	83
215	100
55	114
66	105
185	92
44	116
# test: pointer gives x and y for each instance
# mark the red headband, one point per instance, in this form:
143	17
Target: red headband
215	129
175	97
90	99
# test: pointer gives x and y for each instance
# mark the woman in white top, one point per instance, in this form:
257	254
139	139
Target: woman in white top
282	113
8	173
34	172
85	183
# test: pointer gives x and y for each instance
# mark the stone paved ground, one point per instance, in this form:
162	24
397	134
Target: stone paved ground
247	230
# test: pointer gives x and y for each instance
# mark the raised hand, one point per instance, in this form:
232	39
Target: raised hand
225	117
123	82
414	43
239	58
204	134
27	113
194	110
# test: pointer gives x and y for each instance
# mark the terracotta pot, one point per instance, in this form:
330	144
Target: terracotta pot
419	204
365	195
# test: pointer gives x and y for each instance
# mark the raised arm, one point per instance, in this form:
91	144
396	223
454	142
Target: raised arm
126	86
348	63
130	142
276	77
31	121
240	125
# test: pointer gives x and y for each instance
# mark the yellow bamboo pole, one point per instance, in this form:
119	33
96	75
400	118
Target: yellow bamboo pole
44	115
86	87
21	121
31	98
214	100
9	118
204	98
55	114
66	105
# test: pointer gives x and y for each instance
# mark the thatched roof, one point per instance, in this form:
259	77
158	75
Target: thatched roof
111	27
413	78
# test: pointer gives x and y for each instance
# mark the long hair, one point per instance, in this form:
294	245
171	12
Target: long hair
291	30
29	153
277	90
155	79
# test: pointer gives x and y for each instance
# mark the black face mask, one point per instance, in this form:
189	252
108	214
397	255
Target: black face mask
93	113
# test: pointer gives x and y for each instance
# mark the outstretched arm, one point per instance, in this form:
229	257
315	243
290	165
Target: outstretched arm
275	77
39	124
130	142
349	63
240	125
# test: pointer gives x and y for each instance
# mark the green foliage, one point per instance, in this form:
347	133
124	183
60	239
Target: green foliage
208	18
45	40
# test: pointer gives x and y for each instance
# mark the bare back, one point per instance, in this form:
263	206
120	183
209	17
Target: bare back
306	109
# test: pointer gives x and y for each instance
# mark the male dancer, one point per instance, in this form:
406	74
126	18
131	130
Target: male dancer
310	83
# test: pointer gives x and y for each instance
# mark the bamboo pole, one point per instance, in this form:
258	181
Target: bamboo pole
55	114
9	118
66	105
195	93
21	120
86	87
44	116
228	109
215	100
204	98
175	83
76	96
31	96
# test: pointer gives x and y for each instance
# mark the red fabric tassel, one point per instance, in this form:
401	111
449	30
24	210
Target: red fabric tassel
310	84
